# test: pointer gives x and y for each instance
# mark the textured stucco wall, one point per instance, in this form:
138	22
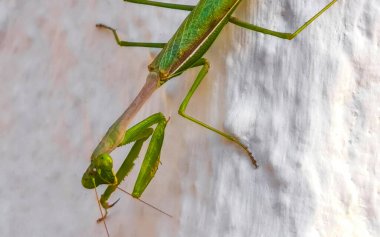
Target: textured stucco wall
308	108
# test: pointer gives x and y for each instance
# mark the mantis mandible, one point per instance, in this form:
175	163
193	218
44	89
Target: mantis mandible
183	51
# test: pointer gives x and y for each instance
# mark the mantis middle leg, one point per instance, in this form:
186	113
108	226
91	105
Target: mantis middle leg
182	109
282	35
150	3
128	43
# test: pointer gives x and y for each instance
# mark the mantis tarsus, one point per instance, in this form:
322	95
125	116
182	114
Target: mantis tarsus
183	51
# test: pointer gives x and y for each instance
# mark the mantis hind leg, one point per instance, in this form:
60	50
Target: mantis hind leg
163	4
282	35
182	109
128	43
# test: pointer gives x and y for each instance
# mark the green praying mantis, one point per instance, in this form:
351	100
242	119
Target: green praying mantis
183	51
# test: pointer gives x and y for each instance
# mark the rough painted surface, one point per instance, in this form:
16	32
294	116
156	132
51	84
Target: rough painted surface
309	109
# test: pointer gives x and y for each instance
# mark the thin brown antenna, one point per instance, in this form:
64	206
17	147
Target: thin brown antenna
103	218
155	208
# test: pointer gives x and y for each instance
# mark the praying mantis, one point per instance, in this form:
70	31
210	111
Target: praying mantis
183	51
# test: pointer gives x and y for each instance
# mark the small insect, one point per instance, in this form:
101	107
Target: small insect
183	51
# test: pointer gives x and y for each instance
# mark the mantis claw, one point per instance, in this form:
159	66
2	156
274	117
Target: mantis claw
113	204
100	170
105	204
252	159
100	219
100	25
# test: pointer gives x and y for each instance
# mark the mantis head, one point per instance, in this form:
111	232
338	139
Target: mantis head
99	172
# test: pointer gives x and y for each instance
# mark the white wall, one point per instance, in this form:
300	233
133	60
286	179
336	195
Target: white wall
308	108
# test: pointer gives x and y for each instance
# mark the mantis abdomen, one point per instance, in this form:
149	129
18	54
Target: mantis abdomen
193	38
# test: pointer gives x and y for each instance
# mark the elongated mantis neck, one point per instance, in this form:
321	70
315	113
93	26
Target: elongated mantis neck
115	133
151	84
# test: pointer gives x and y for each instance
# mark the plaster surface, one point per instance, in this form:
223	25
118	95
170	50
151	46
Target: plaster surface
307	108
